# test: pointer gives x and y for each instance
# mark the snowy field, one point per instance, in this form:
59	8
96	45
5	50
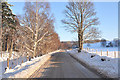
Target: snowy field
108	67
97	46
111	54
22	70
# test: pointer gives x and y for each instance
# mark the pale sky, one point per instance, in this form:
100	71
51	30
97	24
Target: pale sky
107	12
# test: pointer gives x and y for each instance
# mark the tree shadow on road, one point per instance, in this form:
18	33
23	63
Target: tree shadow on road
52	67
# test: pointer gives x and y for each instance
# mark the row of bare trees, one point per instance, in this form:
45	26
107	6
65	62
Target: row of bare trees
38	28
33	33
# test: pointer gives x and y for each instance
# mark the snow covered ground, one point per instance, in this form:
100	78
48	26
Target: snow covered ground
15	60
23	70
111	54
96	48
5	55
109	67
0	70
99	47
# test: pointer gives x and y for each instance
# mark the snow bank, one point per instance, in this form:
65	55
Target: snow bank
0	70
15	58
108	67
26	69
12	63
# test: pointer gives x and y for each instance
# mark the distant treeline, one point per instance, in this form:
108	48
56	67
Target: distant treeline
71	44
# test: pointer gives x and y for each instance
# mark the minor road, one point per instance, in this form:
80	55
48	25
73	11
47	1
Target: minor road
62	65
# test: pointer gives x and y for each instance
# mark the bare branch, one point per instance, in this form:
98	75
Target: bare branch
42	37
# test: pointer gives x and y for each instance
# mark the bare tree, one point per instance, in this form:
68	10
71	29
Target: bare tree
36	25
80	18
50	44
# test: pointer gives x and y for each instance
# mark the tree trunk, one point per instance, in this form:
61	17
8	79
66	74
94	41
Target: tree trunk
82	41
4	45
1	41
82	46
8	63
36	34
81	33
35	46
7	46
11	49
79	42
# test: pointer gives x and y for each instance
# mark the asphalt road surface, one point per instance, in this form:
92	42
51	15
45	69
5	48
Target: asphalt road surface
62	65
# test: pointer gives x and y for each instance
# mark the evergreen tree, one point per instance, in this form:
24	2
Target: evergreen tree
8	21
8	18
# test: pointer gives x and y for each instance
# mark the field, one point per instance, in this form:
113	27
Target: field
96	48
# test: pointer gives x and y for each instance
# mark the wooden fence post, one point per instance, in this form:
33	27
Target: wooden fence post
28	57
101	52
17	61
7	62
22	61
107	52
114	54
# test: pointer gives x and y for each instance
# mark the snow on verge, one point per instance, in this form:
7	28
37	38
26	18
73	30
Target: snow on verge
108	68
0	70
28	68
